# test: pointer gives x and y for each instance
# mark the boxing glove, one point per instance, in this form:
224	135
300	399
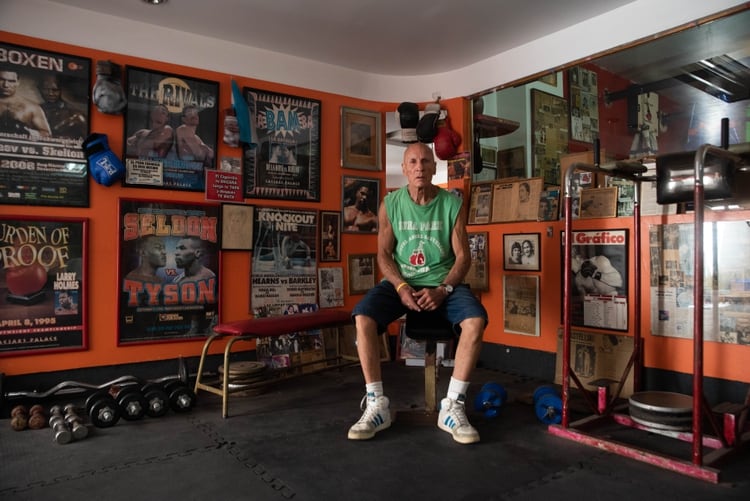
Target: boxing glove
108	94
428	125
446	142
104	165
408	116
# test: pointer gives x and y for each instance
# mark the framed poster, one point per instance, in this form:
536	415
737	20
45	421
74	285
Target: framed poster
362	273
330	236
43	285
516	200
45	118
598	202
549	119
599	285
285	161
521	251
237	227
171	125
521	304
168	270
584	106
359	204
360	139
478	275
480	203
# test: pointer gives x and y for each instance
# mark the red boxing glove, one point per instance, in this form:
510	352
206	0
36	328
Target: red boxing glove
446	142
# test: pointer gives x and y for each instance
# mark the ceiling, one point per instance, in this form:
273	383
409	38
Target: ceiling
386	37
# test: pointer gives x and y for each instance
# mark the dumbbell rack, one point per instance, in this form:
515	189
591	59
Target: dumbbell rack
723	442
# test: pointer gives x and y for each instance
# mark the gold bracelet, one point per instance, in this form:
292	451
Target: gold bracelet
401	286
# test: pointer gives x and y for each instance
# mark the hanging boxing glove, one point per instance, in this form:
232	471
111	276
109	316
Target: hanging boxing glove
427	127
104	165
446	141
408	116
108	94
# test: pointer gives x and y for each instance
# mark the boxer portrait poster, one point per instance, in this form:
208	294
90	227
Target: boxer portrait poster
171	125
44	118
42	285
284	162
168	270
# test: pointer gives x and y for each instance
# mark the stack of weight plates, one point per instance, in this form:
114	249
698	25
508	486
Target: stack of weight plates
242	375
662	410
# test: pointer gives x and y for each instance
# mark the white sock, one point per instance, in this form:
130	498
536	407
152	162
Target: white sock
374	390
457	389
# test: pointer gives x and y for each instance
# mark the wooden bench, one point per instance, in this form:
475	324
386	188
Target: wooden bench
254	328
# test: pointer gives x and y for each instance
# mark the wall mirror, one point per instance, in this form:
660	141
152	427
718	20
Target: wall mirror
665	95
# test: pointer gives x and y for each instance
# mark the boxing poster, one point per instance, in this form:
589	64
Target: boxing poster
171	124
599	284
42	284
284	161
44	118
168	270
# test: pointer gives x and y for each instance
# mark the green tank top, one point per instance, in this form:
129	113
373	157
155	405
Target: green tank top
423	251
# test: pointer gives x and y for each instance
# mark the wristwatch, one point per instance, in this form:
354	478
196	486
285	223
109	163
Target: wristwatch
448	288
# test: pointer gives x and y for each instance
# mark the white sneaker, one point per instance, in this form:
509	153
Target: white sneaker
376	417
453	419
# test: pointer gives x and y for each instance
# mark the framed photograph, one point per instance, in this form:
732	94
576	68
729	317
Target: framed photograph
285	161
521	304
598	202
521	251
168	271
599	290
237	227
331	287
360	139
516	200
362	273
584	106
171	124
480	203
489	155
43	285
361	198
549	117
41	161
478	274
330	236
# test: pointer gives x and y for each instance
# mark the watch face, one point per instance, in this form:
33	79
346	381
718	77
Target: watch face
448	288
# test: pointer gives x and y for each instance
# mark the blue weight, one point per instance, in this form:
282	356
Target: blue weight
490	399
548	409
544	390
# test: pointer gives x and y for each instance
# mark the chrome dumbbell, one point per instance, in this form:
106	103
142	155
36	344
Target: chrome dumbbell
62	434
74	421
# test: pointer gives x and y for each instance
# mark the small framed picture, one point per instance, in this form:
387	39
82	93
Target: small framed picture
360	139
598	202
478	274
521	251
237	227
359	204
362	272
330	236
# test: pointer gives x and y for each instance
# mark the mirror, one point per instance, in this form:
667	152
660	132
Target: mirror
663	96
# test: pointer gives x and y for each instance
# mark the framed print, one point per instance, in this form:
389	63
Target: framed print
489	155
584	106
168	270
43	285
478	274
521	304
549	119
521	251
171	124
360	139
285	161
361	196
45	118
598	202
480	203
331	287
330	236
237	227
362	273
516	200
599	285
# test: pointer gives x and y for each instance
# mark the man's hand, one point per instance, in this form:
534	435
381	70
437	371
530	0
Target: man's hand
588	269
430	299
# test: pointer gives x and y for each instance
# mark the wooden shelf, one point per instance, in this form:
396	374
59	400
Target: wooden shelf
488	126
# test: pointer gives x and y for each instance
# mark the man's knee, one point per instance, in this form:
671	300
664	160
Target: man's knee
472	329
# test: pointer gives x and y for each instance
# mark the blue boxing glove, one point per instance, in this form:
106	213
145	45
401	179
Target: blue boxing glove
104	165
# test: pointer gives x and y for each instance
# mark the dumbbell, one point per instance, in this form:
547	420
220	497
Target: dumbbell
181	397
19	418
490	399
131	402
59	426
75	423
102	409
157	400
37	417
548	405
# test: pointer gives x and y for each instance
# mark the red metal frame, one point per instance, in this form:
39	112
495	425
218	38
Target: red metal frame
727	438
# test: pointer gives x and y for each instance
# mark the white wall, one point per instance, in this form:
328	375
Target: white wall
639	19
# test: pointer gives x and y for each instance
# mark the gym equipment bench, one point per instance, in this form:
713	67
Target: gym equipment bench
254	328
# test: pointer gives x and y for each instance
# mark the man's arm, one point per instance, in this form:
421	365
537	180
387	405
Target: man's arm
460	244
386	244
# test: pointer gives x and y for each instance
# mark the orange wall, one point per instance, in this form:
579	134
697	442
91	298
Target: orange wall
723	361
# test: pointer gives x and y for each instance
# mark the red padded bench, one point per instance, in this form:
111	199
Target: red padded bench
254	328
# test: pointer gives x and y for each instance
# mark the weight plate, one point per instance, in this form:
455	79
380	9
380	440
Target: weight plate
548	409
157	401
245	368
181	398
662	401
103	412
544	390
132	404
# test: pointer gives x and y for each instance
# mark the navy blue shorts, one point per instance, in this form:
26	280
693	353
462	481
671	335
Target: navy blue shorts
383	304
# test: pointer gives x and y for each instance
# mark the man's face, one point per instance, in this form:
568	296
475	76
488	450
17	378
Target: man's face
184	254
419	165
191	117
361	197
65	300
159	116
8	83
50	90
527	248
156	253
